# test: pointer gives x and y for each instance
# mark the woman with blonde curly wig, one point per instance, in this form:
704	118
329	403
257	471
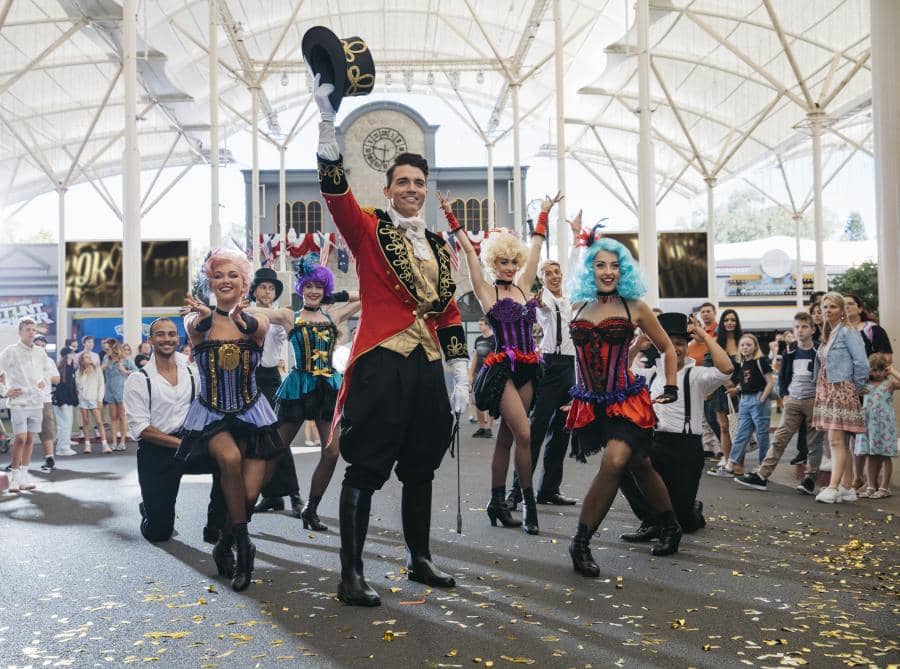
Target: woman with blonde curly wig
505	384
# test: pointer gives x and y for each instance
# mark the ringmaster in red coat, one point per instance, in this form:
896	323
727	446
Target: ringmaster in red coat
393	407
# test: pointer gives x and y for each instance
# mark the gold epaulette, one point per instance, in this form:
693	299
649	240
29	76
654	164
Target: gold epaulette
368	210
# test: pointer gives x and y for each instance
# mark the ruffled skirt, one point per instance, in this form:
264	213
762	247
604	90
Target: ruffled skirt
593	424
255	428
316	403
493	375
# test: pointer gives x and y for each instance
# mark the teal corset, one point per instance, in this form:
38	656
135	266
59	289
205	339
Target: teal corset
313	345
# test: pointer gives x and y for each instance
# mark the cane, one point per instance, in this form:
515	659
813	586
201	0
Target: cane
455	453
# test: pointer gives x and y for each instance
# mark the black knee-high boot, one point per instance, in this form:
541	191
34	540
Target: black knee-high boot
669	535
580	550
530	521
416	512
354	519
246	552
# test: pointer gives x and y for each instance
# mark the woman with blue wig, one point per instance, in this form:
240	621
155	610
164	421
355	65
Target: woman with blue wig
310	389
611	408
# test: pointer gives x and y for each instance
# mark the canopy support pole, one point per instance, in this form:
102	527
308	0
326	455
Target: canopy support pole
562	234
215	228
254	188
815	124
131	184
518	221
712	289
647	244
62	330
282	213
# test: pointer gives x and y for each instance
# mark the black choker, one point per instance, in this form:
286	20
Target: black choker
606	297
222	312
306	308
501	282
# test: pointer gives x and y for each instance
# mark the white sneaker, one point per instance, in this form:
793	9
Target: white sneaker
67	452
847	495
25	482
829	495
14	480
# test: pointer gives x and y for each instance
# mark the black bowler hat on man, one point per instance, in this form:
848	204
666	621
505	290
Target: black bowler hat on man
675	324
346	63
263	275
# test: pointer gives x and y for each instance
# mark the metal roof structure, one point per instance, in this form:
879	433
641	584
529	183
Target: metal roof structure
734	82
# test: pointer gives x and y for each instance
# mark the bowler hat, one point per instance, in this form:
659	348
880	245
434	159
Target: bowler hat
346	63
674	324
262	275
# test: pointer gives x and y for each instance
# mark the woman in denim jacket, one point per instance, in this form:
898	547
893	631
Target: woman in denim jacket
840	371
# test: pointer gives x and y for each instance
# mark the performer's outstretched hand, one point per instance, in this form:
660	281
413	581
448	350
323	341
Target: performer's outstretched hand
323	102
237	311
444	201
575	224
192	304
547	203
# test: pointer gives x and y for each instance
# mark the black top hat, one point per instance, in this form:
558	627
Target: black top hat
674	324
262	275
346	63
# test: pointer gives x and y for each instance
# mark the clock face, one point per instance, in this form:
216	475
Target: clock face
381	146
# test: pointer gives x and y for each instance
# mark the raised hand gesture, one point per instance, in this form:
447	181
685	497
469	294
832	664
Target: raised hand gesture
192	304
547	203
444	201
236	313
575	224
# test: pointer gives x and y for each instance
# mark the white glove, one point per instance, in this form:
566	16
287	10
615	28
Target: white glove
320	93
459	400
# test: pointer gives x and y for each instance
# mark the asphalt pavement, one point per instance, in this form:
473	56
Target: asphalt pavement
774	580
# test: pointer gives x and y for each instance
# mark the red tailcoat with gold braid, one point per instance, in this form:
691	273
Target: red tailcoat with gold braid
386	288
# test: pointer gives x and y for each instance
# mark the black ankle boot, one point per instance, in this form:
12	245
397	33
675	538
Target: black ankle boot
269	504
497	509
514	496
669	535
246	552
223	555
310	515
354	518
648	531
416	511
580	550
530	521
297	505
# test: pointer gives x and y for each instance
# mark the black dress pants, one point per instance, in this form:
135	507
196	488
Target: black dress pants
548	423
679	460
396	412
284	477
159	475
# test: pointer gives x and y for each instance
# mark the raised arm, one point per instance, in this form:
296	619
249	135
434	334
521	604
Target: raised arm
197	318
479	285
346	310
283	316
526	280
720	358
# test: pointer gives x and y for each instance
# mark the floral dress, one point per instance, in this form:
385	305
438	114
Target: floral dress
880	437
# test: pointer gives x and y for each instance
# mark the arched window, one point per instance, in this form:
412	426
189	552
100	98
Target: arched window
297	218
458	207
473	215
485	218
313	217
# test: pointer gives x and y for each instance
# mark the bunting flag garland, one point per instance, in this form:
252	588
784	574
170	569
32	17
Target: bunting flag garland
343	257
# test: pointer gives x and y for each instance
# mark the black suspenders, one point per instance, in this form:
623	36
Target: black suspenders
150	392
687	399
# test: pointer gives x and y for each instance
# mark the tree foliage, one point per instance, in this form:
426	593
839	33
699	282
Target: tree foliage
862	281
854	228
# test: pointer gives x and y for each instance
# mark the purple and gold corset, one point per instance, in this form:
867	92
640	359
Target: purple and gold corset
513	325
228	374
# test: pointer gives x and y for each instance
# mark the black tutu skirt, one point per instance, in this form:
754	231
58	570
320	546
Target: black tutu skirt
593	437
491	380
315	405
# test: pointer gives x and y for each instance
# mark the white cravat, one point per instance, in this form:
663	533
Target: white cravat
414	229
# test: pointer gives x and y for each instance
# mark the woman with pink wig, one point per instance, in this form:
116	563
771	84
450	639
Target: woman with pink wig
230	421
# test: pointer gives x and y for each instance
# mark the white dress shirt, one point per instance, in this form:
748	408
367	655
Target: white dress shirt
169	403
28	368
546	317
670	417
273	347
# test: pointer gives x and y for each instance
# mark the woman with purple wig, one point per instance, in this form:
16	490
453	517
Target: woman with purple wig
309	391
230	420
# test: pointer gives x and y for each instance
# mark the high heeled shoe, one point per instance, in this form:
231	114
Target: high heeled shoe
223	554
580	550
246	553
498	510
310	515
530	520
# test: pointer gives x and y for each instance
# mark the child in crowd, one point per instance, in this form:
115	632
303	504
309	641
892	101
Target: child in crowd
755	384
90	385
879	441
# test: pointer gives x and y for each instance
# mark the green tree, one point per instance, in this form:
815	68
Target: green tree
747	215
862	281
854	229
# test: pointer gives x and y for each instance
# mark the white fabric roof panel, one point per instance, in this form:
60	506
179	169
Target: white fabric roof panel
723	64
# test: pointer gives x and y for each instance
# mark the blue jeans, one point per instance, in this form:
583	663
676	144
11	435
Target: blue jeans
754	416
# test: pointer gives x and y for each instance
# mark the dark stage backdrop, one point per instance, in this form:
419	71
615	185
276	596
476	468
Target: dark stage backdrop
94	274
682	262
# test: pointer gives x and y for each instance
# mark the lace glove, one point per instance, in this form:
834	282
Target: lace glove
459	399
